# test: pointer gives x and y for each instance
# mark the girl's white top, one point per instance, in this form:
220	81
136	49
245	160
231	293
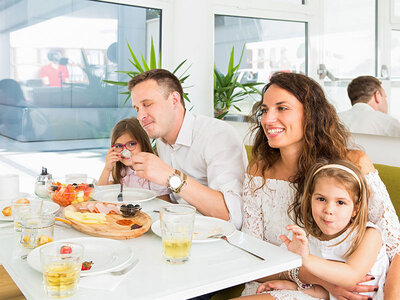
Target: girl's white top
325	250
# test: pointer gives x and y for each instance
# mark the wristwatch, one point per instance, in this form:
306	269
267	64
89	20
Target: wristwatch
176	182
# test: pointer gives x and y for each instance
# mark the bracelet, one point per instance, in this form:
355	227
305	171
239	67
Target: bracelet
294	276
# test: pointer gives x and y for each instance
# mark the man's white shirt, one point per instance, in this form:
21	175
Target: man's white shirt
362	118
211	152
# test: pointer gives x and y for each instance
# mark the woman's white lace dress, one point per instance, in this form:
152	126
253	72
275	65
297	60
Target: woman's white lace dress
265	215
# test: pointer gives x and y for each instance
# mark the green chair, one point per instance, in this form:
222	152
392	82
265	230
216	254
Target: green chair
391	178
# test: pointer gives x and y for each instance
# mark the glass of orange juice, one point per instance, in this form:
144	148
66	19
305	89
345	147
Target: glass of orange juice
177	223
61	265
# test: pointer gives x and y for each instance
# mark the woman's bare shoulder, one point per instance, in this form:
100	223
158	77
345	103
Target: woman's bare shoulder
361	160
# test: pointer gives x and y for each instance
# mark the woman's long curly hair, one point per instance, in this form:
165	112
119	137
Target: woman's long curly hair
324	136
136	131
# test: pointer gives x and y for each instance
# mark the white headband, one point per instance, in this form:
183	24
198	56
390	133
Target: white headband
341	167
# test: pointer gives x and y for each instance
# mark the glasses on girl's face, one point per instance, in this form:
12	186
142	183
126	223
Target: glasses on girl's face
129	145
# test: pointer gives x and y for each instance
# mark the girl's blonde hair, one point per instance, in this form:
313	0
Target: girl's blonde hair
136	131
355	186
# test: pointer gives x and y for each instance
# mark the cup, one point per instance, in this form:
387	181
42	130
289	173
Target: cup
61	265
20	207
36	230
177	223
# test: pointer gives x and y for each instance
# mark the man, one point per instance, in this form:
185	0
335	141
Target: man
369	112
201	159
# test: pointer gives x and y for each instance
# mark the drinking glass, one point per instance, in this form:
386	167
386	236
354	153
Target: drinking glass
177	222
61	265
19	208
36	230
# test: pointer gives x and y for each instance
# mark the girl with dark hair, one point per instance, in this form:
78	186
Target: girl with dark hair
295	126
127	139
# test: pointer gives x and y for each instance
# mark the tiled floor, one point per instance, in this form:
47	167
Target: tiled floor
59	157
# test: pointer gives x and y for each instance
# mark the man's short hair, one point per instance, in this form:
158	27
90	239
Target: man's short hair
164	78
362	88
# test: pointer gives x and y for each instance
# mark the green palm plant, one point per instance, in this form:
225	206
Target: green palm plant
141	66
228	90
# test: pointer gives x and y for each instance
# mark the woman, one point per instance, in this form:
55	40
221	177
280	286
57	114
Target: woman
295	126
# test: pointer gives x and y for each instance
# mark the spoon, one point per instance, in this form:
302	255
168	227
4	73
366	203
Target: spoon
223	237
119	197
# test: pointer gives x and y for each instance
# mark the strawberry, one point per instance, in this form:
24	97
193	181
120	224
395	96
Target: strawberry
65	250
86	265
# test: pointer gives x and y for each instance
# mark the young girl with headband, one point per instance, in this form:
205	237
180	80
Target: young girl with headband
342	245
127	139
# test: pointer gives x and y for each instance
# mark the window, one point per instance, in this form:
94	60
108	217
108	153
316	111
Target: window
349	46
58	54
269	46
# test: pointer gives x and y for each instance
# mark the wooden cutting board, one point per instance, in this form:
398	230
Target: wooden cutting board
112	229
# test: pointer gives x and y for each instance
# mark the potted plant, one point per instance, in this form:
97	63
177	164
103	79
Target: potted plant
228	90
141	67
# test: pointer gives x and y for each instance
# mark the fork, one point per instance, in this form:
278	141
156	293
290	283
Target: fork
119	197
224	237
126	269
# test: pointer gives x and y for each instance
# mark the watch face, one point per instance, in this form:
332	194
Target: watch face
175	181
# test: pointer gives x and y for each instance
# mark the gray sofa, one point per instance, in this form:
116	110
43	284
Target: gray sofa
54	113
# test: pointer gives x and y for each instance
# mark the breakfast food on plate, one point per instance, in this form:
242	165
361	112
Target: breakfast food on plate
86	265
65	249
129	210
22	201
7	211
86	218
106	220
65	194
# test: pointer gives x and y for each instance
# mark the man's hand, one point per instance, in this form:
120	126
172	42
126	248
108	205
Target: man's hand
352	294
299	244
151	167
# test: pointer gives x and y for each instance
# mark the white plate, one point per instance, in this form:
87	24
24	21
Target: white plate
48	207
107	255
203	228
129	195
20	195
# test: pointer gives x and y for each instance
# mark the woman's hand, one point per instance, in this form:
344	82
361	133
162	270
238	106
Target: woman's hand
276	285
299	244
111	159
352	293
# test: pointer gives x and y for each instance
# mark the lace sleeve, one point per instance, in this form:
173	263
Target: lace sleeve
252	212
382	213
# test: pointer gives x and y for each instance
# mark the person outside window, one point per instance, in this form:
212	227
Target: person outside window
55	73
369	112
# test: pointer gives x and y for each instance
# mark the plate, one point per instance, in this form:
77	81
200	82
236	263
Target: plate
48	207
129	195
203	228
20	195
107	255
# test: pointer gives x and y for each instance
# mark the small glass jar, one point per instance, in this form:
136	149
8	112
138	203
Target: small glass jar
40	184
37	230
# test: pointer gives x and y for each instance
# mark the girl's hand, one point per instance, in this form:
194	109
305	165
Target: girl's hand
111	159
299	244
276	285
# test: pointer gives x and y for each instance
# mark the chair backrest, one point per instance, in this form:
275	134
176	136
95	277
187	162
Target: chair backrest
390	176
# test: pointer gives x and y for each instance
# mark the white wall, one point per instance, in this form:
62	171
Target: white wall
381	149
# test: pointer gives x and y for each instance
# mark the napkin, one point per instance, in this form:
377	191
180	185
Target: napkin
105	281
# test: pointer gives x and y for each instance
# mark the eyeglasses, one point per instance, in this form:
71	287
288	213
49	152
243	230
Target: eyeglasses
129	145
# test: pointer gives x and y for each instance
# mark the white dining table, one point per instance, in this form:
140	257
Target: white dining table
212	266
